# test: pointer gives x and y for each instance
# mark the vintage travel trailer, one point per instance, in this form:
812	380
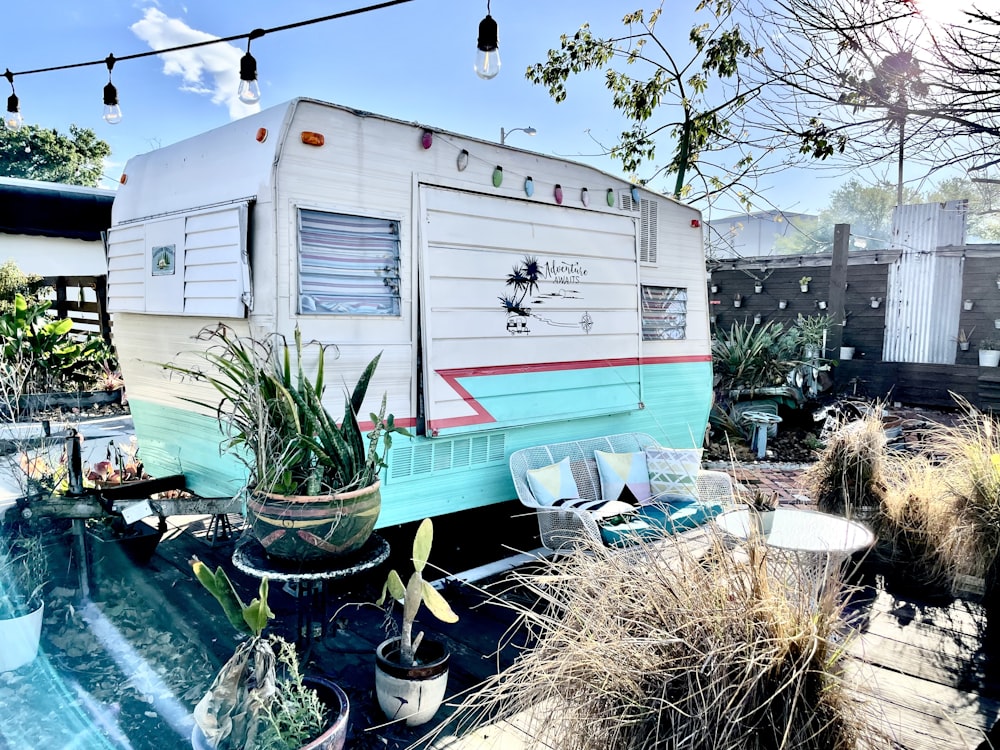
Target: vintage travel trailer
518	299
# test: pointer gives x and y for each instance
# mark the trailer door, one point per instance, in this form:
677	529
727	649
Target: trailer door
529	312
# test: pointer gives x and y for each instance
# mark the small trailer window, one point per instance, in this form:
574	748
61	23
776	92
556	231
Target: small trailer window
348	265
664	313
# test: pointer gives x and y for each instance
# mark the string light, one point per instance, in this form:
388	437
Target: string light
249	90
12	119
488	56
112	110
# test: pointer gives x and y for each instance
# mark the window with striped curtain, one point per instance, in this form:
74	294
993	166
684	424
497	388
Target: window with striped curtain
664	313
348	265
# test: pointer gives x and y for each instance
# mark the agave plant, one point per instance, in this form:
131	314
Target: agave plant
276	423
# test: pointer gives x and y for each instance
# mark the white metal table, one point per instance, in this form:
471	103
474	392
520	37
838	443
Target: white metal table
810	545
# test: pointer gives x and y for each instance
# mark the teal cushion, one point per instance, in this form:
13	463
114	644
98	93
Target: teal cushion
657	520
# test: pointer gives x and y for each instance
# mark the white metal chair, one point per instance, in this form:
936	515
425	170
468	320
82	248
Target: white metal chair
562	528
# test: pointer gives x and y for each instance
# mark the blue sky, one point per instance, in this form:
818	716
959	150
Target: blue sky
413	62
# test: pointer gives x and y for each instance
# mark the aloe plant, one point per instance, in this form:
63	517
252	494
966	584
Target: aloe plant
276	423
416	592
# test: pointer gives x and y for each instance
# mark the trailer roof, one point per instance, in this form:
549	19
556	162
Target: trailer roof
50	209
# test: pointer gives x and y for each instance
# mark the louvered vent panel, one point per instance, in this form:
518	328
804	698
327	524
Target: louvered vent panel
447	455
648	226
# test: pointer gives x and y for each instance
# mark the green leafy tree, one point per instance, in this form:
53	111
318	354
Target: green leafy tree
36	153
697	102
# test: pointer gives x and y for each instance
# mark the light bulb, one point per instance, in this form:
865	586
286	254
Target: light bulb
13	119
488	63
112	111
112	114
488	55
249	92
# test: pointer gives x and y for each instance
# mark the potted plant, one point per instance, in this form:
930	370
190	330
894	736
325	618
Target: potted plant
989	353
737	300
876	302
804	283
304	468
812	333
782	304
713	288
409	685
762	507
821	304
968	305
260	699
23	571
963	338
847	352
758	287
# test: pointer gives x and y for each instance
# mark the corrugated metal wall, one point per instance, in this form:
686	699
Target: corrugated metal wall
923	298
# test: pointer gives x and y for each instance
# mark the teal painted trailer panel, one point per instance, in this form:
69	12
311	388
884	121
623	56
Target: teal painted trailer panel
435	476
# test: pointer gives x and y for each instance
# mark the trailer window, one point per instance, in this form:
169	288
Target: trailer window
348	265
664	313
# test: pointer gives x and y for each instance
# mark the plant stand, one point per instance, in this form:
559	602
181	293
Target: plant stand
309	584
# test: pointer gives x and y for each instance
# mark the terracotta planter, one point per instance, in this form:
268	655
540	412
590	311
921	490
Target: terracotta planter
20	637
332	697
411	693
308	528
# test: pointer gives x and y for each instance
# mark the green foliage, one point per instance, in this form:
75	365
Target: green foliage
690	100
277	424
416	592
14	281
36	153
246	618
296	714
43	351
23	572
754	356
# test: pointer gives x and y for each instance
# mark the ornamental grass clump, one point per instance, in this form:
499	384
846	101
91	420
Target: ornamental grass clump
968	458
661	647
848	479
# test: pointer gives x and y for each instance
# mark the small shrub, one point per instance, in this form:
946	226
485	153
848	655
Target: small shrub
848	479
662	649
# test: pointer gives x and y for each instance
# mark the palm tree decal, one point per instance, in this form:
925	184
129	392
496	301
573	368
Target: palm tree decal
524	280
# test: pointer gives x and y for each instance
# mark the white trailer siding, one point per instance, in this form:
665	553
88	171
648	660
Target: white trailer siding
482	388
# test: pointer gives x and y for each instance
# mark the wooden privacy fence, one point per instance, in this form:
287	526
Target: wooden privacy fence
84	299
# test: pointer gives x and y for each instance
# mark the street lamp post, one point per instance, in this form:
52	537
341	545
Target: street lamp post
504	133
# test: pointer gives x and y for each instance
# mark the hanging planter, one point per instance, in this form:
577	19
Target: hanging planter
738	300
804	283
876	302
996	323
847	352
821	304
758	287
968	305
757	319
714	289
782	304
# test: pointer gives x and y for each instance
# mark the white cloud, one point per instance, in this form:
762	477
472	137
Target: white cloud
212	70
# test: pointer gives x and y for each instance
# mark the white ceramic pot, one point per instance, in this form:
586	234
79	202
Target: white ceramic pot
411	693
847	352
19	638
967	305
989	357
963	345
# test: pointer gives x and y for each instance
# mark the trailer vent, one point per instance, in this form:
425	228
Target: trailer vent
446	455
648	227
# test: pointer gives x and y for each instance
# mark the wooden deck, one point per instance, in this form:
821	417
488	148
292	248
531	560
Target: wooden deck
921	669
